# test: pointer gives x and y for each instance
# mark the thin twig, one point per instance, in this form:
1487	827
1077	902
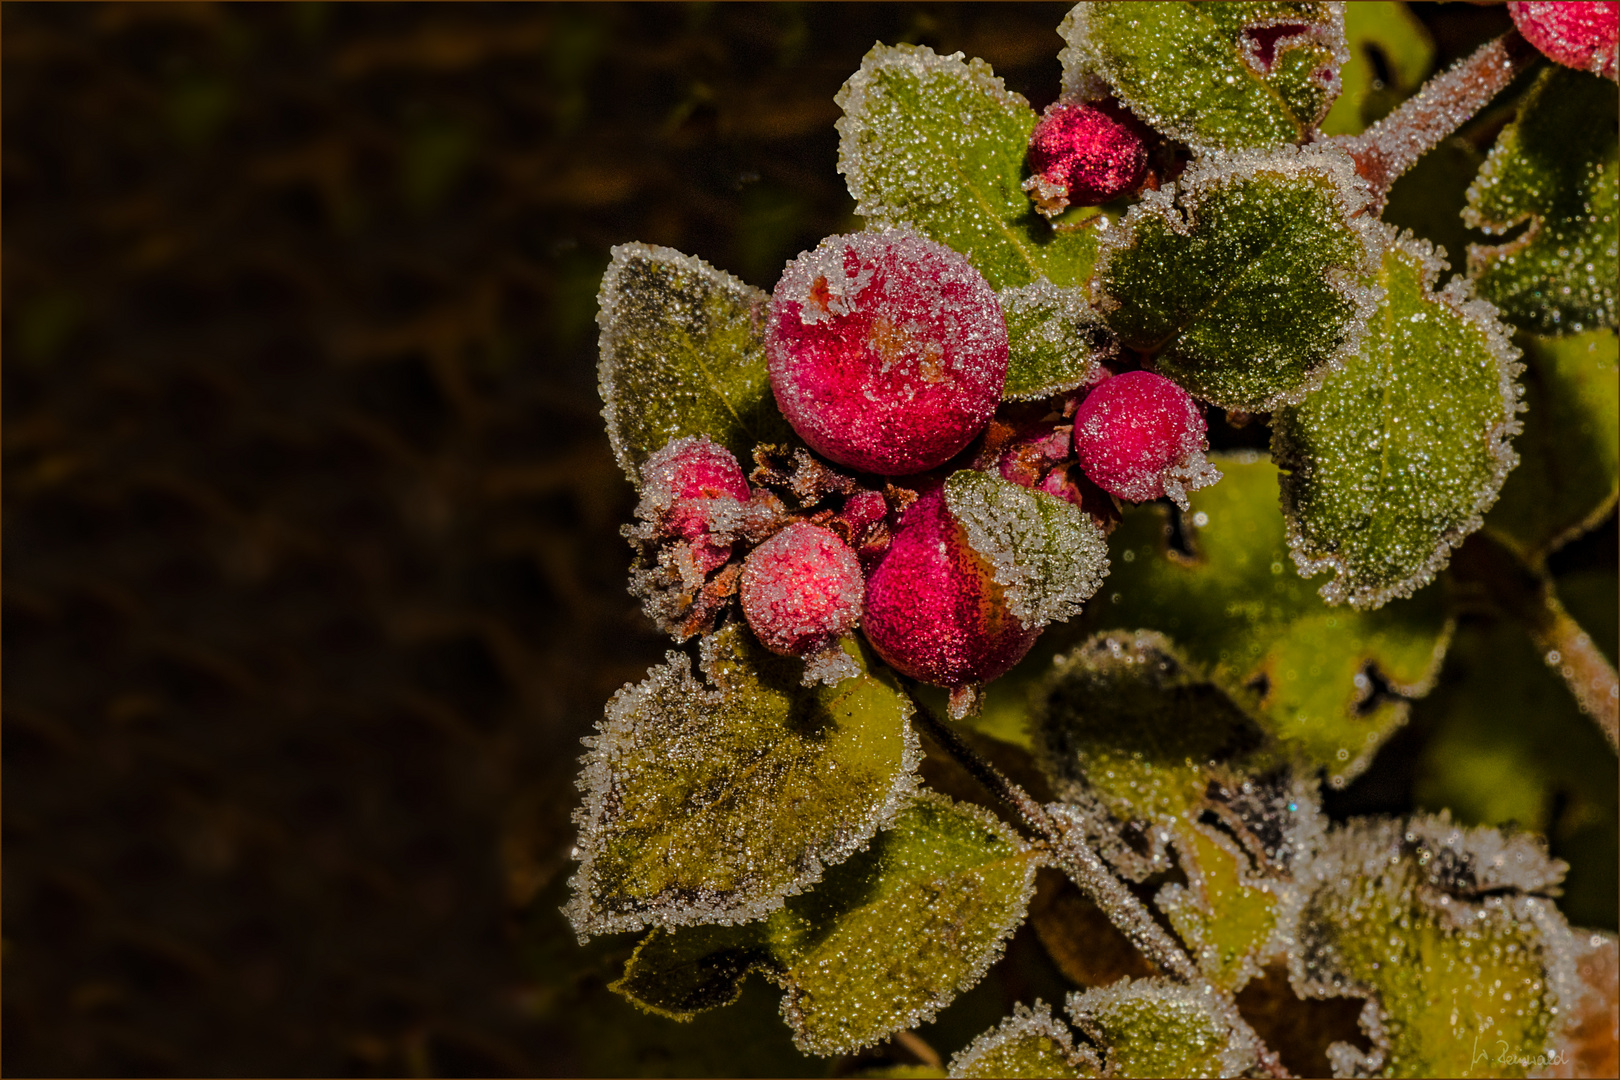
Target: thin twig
1387	149
1569	650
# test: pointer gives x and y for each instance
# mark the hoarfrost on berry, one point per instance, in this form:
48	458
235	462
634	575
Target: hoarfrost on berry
1140	436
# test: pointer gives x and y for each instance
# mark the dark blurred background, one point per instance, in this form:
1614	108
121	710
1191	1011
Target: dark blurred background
312	570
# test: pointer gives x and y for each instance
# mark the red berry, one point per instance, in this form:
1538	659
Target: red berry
933	610
1577	35
681	483
887	352
801	590
1140	436
1084	155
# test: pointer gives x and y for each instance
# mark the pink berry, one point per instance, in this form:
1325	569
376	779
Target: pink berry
1084	155
887	352
1139	436
933	610
801	589
681	483
1577	35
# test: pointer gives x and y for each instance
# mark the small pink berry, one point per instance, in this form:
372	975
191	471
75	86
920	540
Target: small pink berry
801	590
1083	155
887	351
1577	35
933	609
1139	436
681	483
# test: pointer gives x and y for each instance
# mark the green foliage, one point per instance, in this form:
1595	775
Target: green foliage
1242	277
682	353
1554	171
1154	1027
938	143
1402	46
1048	555
1197	72
887	939
1569	469
1229	919
1300	667
1054	340
1392	462
1437	925
710	803
1030	1043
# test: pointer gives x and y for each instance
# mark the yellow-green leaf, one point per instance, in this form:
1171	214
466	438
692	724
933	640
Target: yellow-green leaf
682	352
938	143
1553	171
1396	458
1054	340
1243	278
1403	50
1154	1027
1030	1042
709	802
1214	76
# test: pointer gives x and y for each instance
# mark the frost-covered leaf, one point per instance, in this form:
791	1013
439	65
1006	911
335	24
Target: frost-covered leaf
937	143
887	939
1030	1042
1553	170
1507	743
1394	460
1569	469
1244	276
1590	1042
1386	41
1229	919
1437	927
1225	592
682	353
1154	1027
1047	554
1214	76
1054	339
711	802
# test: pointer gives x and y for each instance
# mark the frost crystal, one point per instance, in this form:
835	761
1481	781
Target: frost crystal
1048	556
1030	1042
1055	340
1154	1027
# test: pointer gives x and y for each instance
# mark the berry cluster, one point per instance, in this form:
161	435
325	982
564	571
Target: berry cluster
888	355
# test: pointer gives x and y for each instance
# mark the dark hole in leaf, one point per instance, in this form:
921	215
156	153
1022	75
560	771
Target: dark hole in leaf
1374	688
1260	42
1299	1031
1260	684
1379	62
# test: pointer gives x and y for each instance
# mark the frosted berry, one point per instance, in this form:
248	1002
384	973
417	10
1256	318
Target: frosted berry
1139	436
933	610
1083	155
887	352
1578	35
801	590
688	482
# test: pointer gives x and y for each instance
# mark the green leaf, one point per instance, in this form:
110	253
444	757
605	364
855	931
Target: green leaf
1553	170
1209	74
1569	472
1404	51
1394	460
938	143
1508	744
1154	1027
1231	920
1434	924
1307	672
884	942
1047	554
1243	276
682	353
1030	1043
1054	338
710	803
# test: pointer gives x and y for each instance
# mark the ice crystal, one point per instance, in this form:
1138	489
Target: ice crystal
1030	1043
711	801
1245	277
1396	458
1048	555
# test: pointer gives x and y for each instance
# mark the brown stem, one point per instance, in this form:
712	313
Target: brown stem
1569	650
1387	149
